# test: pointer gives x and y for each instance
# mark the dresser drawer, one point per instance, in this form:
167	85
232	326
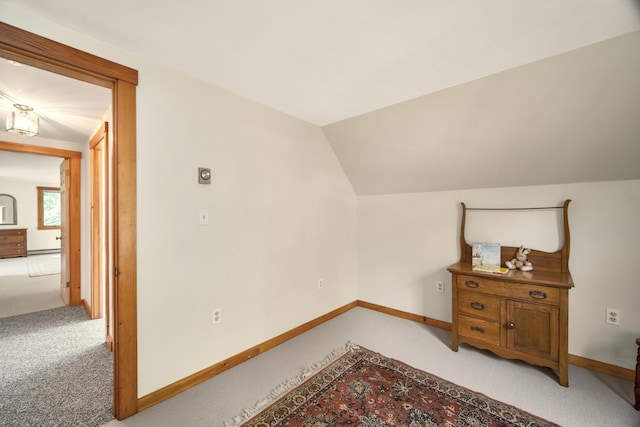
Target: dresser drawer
12	252
477	284
11	240
9	233
479	329
477	304
524	292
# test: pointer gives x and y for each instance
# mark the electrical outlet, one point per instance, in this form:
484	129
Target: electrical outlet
440	286
217	315
320	284
613	316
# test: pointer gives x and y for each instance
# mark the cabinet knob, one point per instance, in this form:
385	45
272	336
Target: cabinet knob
538	294
477	305
471	284
510	325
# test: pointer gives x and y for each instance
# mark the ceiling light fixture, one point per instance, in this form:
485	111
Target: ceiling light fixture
22	120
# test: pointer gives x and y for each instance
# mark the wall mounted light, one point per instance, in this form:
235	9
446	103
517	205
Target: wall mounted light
22	120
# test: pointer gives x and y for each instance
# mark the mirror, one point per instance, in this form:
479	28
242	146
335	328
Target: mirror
8	210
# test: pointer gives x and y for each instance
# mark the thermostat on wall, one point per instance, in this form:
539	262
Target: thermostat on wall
204	175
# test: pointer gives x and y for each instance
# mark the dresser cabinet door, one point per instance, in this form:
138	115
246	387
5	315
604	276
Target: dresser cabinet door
532	329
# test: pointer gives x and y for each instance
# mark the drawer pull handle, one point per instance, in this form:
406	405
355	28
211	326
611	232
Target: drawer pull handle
477	305
471	284
510	325
538	294
477	329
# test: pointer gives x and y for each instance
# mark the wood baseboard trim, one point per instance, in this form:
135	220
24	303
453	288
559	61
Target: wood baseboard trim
603	368
406	315
171	390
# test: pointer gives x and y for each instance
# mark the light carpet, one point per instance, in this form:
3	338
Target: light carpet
592	399
55	370
20	294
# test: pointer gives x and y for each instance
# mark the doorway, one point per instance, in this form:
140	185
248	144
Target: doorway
34	50
72	158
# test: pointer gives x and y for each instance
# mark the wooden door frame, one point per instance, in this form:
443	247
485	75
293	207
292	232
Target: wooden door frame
70	231
31	49
74	233
98	158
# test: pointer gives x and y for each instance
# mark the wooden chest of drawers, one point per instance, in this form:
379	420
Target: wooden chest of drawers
517	316
13	243
522	314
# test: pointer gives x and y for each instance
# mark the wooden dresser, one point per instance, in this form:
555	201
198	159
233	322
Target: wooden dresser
13	242
518	315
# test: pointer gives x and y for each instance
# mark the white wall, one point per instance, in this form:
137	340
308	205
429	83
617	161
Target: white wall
26	194
282	215
406	242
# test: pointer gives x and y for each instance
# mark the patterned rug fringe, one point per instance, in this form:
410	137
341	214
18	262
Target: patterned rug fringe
286	386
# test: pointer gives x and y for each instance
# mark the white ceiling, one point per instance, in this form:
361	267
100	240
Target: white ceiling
68	109
323	62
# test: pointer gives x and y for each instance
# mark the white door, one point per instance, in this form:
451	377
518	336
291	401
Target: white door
64	235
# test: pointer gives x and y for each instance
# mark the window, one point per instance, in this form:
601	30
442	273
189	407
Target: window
49	208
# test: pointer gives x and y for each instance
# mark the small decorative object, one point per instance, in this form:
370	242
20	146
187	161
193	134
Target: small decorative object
483	253
485	257
520	262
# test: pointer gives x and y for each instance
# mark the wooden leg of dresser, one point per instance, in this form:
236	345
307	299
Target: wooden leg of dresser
563	378
563	371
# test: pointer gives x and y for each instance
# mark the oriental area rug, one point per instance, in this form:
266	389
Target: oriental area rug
364	388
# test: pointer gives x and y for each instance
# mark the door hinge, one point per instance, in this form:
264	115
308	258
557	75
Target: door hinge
116	272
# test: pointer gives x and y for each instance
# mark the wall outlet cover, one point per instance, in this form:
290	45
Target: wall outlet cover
613	316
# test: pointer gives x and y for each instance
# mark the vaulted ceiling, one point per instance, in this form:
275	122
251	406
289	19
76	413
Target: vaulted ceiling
376	74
